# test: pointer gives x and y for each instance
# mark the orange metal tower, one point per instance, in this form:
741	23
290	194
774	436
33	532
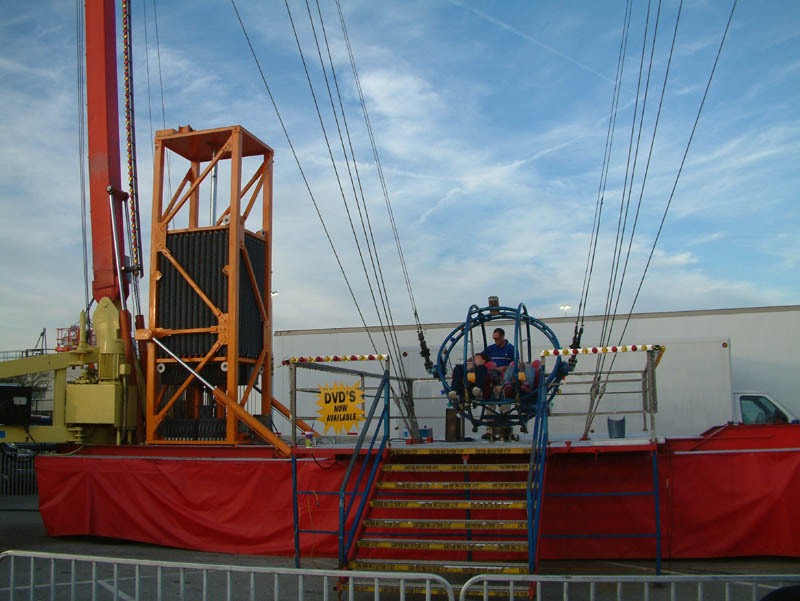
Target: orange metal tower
210	321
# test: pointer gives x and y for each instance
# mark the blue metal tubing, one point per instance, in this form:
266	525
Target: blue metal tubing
658	513
479	316
540	481
537	464
345	541
357	521
295	513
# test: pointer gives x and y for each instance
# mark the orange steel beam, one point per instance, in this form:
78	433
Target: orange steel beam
255	425
227	211
254	284
251	381
179	268
246	212
204	149
159	417
186	179
194	202
174	210
235	242
288	415
266	228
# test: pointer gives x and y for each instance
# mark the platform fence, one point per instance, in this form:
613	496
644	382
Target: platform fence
61	577
17	471
699	587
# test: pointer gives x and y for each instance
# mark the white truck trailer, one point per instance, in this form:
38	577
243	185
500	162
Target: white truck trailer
694	392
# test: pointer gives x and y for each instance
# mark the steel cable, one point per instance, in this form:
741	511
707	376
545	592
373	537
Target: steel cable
612	120
683	161
369	239
302	174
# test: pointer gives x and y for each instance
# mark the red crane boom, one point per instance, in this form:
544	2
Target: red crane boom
103	138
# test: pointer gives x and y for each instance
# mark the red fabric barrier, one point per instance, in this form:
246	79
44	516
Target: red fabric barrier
205	504
716	501
733	504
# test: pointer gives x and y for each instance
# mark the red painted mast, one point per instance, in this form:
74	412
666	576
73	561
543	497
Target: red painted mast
103	138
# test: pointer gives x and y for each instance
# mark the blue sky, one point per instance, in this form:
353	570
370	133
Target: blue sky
490	120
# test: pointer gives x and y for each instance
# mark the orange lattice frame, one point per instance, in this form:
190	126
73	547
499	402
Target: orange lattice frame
211	279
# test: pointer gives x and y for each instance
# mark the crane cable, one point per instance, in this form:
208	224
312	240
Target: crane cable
424	351
685	154
598	211
133	224
147	71
302	173
370	239
622	220
680	169
609	316
406	398
333	162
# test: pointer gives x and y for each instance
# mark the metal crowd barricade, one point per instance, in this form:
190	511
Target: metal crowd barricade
700	587
61	577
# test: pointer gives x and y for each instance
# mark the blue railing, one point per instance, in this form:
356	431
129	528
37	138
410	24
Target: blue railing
373	456
348	494
536	470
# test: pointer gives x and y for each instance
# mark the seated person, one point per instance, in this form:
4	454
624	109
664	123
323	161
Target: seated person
527	381
480	372
502	351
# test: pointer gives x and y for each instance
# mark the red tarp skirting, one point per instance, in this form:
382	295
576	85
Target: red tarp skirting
717	500
208	504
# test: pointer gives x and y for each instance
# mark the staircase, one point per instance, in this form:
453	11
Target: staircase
452	511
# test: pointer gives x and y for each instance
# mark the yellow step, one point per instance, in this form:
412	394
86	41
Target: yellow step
425	450
452	485
437	567
447	524
455	467
510	546
442	504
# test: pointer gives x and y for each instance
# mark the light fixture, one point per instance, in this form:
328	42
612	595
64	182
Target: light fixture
565	308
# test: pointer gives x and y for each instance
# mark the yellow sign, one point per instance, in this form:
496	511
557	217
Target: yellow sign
341	407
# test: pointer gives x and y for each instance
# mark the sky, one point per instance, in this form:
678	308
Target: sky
491	122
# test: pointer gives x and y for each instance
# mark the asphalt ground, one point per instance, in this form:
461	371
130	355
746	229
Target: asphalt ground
21	528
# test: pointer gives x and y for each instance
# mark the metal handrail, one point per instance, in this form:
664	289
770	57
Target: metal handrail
346	538
536	469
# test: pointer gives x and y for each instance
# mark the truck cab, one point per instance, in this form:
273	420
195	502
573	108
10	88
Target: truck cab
753	407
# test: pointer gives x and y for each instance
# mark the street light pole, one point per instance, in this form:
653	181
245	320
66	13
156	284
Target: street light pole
565	308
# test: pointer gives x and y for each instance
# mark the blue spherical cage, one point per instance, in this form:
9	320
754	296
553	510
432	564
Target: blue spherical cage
498	411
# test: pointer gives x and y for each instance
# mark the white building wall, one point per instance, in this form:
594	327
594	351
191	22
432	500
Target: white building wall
762	356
